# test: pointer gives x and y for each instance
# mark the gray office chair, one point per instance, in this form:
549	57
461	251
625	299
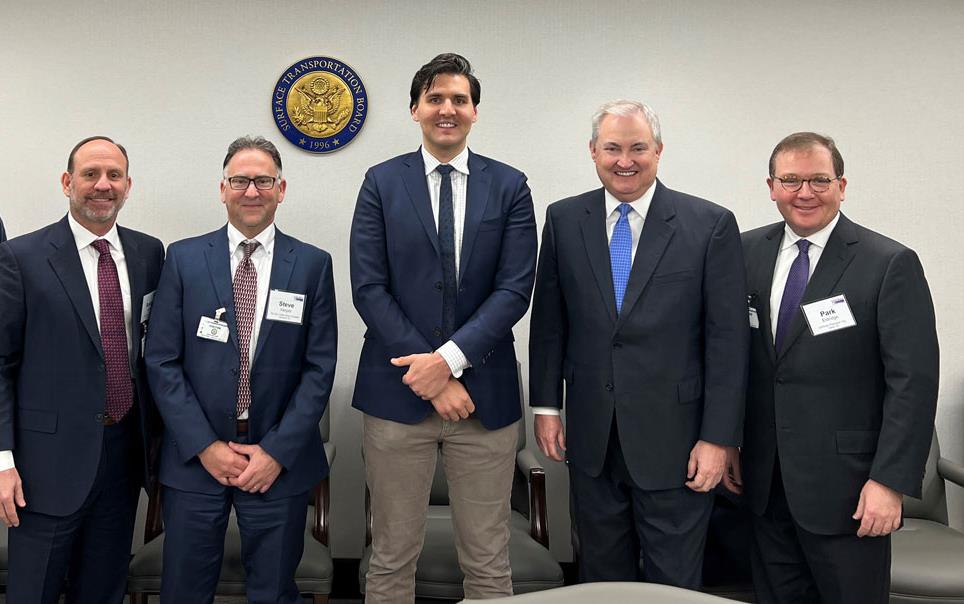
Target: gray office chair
927	560
612	593
533	567
314	574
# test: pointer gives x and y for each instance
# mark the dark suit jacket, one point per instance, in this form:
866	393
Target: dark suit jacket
3	232
849	405
52	376
672	365
195	381
396	278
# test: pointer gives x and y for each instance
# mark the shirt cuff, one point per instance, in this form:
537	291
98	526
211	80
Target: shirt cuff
454	358
545	411
6	460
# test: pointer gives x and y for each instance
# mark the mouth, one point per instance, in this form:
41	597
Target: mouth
625	173
445	125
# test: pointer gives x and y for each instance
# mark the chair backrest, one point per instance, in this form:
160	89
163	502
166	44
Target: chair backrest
933	502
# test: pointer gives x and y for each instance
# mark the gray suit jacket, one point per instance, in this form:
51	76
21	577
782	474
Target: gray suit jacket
849	405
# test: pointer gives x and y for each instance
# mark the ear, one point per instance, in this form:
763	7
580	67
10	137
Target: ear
223	187
413	109
592	149
282	186
843	187
659	151
65	183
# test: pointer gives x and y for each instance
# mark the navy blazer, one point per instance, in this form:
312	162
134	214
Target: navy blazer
52	375
195	381
672	365
396	278
848	405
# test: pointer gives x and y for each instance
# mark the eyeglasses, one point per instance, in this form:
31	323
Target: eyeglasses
240	183
818	184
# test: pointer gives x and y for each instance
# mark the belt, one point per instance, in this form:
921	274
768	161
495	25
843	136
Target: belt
242	426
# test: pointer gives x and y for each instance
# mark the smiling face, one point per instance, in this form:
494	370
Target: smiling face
446	114
805	210
252	210
626	155
97	186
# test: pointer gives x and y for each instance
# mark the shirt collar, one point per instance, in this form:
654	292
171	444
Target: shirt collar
460	162
641	205
265	238
83	237
818	239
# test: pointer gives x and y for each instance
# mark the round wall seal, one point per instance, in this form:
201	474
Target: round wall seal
319	104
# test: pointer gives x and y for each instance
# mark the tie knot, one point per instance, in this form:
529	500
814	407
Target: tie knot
249	247
804	246
444	170
101	246
624	209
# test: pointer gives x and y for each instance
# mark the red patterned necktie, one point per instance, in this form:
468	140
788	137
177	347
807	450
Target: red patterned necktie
245	302
113	335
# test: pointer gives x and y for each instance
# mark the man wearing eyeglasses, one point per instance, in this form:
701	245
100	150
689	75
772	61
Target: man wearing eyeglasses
842	390
241	358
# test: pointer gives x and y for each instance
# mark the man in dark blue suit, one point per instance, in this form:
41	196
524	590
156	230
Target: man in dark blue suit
241	359
640	308
443	248
75	413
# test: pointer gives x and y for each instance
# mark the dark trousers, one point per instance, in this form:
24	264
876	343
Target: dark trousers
91	547
792	565
618	524
272	542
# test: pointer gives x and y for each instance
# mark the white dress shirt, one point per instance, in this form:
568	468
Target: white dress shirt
636	217
89	257
788	253
450	351
261	259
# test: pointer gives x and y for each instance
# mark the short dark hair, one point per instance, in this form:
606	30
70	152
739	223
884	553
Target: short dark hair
73	152
253	142
447	63
800	141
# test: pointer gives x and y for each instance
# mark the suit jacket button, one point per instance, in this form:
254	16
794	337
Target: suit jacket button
437	332
617	344
99	418
234	371
438	285
609	387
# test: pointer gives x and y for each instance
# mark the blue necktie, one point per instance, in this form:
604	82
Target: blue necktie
446	246
621	254
793	292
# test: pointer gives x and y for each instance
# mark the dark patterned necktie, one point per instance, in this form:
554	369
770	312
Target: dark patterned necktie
793	292
446	245
245	303
113	335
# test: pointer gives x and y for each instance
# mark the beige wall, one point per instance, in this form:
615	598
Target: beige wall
176	81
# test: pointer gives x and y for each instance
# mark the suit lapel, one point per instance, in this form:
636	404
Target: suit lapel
136	275
657	232
218	259
761	282
65	261
833	261
414	178
281	266
477	198
594	237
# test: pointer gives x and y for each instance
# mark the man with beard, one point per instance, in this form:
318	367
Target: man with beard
75	412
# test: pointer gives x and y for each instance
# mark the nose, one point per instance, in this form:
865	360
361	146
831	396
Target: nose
805	190
624	161
103	183
447	108
251	191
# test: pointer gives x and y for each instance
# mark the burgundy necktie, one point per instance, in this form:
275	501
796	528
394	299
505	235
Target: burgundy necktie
113	335
245	302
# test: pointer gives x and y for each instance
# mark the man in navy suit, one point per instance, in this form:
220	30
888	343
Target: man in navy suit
443	249
844	366
75	413
241	358
640	308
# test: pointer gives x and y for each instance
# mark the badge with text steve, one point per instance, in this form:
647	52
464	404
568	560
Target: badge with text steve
287	307
828	315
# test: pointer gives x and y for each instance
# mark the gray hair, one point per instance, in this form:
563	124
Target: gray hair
624	108
253	142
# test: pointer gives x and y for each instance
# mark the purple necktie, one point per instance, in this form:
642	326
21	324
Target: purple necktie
793	292
113	335
245	302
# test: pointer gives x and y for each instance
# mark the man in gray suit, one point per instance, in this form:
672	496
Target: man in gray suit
842	387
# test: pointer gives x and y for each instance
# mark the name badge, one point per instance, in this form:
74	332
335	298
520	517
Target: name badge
287	307
213	329
754	319
831	314
147	303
